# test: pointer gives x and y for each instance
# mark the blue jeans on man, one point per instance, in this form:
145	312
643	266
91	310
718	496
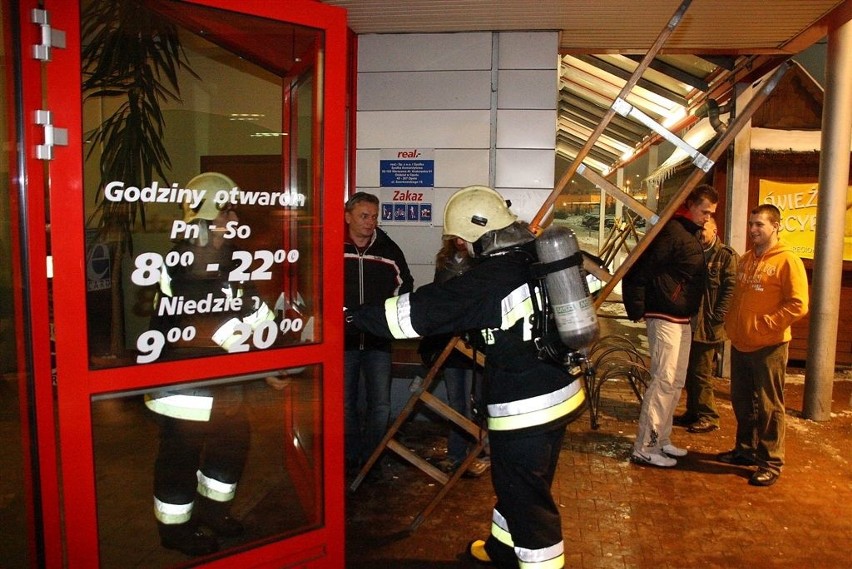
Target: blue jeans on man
363	434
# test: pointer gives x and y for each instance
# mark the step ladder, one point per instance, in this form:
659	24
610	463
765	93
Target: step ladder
422	394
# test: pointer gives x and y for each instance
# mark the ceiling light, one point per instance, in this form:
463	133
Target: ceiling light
245	116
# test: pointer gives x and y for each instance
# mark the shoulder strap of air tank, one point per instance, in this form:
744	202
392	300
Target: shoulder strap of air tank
540	270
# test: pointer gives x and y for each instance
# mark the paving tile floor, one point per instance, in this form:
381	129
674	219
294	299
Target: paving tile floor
618	515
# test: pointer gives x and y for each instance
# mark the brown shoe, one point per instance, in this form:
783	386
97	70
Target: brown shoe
477	468
764	477
702	426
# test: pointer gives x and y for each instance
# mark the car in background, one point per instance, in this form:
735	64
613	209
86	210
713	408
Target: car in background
592	220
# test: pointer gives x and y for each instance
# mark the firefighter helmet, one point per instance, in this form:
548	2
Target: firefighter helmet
211	182
473	211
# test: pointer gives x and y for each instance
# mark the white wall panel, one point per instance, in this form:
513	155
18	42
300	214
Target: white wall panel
526	129
424	52
423	129
525	168
528	50
424	90
459	168
433	91
525	202
527	89
367	168
418	242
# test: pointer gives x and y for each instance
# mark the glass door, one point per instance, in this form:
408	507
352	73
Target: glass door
194	213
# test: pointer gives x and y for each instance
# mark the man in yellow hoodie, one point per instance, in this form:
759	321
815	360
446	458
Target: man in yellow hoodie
770	294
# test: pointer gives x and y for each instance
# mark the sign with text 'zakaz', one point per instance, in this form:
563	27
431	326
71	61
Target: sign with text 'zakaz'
407	178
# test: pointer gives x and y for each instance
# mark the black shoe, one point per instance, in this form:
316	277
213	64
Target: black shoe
223	525
764	477
735	457
217	516
190	543
683	420
702	426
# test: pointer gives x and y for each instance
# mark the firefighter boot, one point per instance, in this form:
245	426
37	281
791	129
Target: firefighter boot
217	516
187	539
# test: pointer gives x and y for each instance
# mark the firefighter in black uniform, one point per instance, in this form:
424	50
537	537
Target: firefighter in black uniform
204	431
529	400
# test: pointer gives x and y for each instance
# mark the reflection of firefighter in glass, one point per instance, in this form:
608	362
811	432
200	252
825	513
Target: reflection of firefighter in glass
204	431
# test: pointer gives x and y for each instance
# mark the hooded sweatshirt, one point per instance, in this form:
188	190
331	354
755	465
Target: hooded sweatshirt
771	293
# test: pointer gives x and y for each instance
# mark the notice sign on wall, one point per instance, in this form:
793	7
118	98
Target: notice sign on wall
407	178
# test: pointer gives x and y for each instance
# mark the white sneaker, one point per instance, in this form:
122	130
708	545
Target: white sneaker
653	458
672	450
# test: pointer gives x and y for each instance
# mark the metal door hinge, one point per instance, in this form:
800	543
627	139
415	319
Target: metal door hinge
50	38
52	136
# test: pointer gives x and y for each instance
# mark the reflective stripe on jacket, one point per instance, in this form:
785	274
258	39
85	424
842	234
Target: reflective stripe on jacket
493	297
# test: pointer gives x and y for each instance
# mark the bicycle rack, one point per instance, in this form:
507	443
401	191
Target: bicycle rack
615	357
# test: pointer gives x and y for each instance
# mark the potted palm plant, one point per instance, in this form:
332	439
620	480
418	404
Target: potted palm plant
130	61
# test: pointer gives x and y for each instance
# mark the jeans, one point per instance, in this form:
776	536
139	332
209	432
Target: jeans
700	400
668	343
458	383
363	434
757	396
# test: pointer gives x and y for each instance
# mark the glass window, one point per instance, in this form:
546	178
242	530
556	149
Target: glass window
175	461
202	199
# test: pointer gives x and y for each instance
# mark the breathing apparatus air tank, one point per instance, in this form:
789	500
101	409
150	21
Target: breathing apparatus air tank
567	290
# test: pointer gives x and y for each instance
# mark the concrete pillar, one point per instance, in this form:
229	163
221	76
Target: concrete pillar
831	214
737	211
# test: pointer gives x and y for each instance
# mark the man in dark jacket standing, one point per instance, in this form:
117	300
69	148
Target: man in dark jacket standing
529	400
708	332
664	287
374	269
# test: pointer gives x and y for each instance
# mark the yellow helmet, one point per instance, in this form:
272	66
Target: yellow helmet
473	211
212	182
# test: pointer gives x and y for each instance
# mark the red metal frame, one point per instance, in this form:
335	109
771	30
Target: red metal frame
77	383
33	182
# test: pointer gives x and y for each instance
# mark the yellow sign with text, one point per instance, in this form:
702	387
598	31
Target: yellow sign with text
798	205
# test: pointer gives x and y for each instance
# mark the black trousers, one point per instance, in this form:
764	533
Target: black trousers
218	448
522	471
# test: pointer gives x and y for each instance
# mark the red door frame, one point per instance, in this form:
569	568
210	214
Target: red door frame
77	383
32	181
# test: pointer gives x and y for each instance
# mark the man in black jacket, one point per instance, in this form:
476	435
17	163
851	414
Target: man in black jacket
529	399
664	288
374	269
708	332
